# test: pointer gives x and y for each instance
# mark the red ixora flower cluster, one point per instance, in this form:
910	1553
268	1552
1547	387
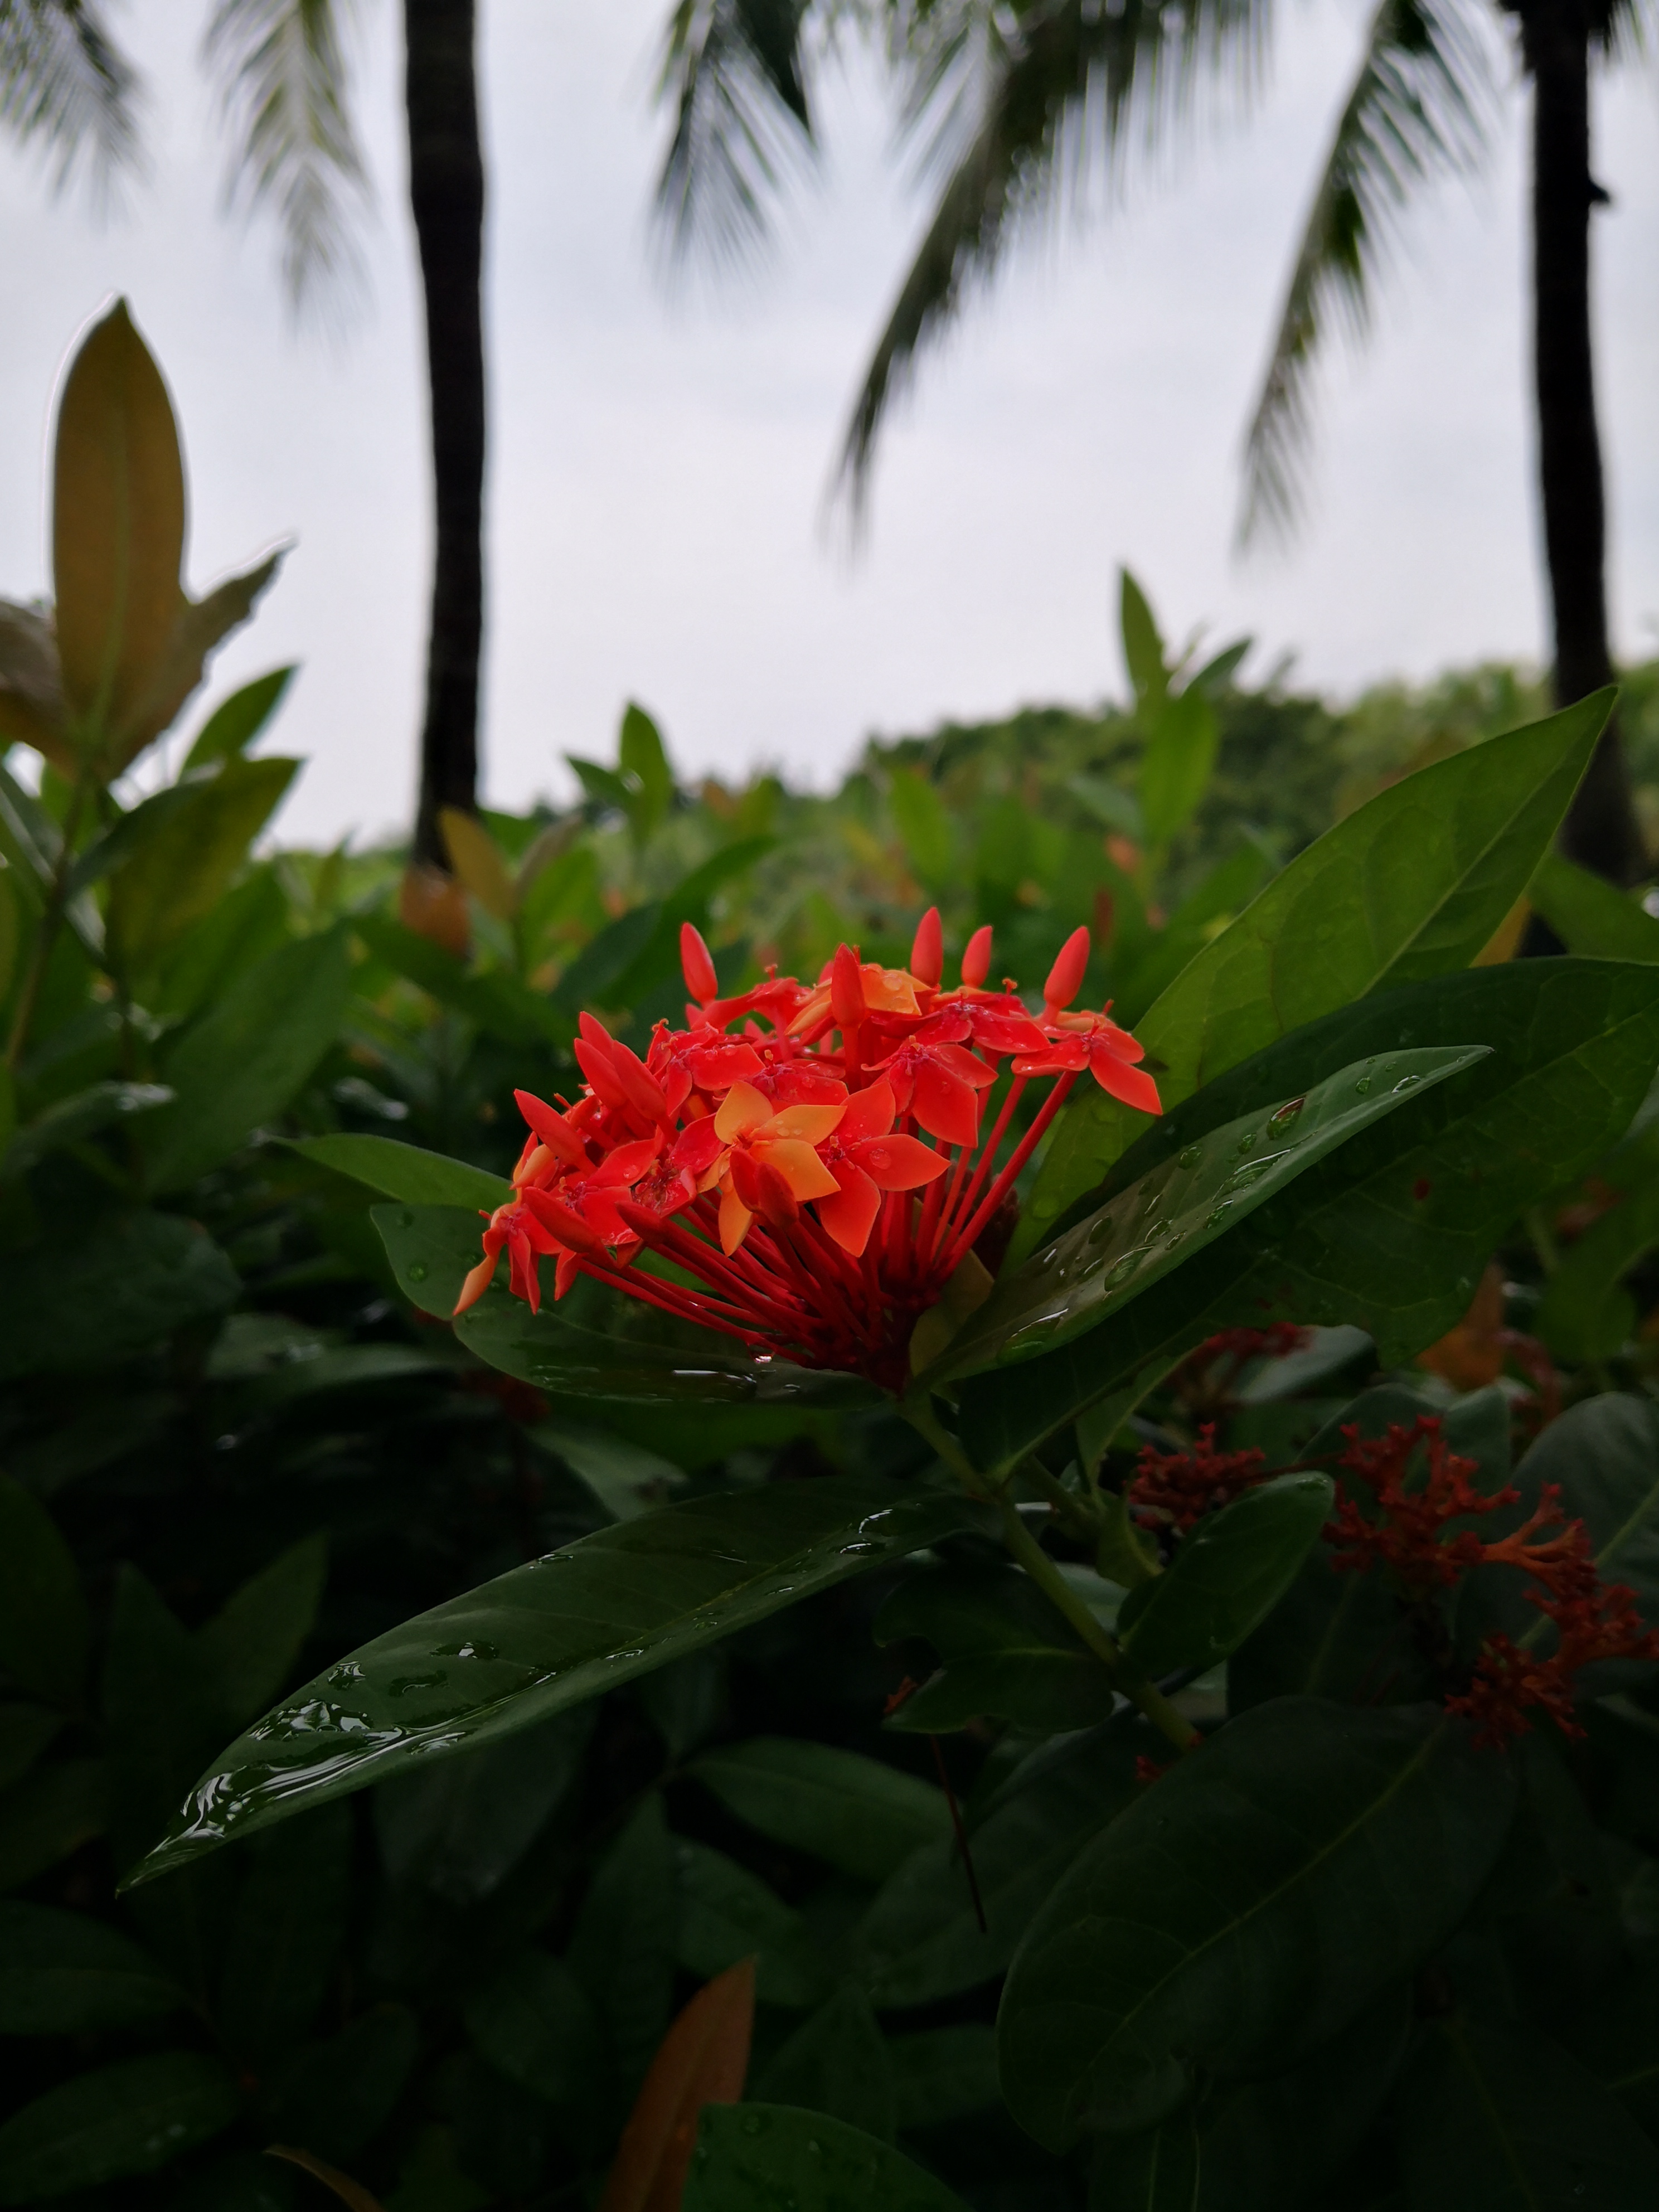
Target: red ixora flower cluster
1414	1534
1179	1488
809	1158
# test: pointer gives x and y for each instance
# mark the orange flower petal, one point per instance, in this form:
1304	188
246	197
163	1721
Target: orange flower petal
798	1165
743	1110
850	1215
899	1162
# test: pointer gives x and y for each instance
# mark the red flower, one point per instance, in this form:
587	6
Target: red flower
819	1174
1182	1487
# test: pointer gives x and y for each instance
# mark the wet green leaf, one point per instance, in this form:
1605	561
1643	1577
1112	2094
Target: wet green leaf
240	1063
65	1973
128	2119
753	2158
1497	2118
1006	1649
408	1171
1186	1202
1226	1578
458	1828
552	1634
835	2061
1245	1908
1391	1232
1411	885
44	1629
855	1814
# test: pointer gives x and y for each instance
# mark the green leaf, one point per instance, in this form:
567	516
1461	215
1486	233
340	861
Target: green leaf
65	1973
495	1002
71	1120
1178	763
1007	1650
1186	1202
48	1814
286	1934
239	1064
332	2098
535	2023
1262	2144
84	1302
753	2158
1411	885
460	1827
924	827
856	1814
408	1171
159	1712
250	1645
836	2063
1498	2120
920	1940
623	1948
1143	649
550	1635
1591	915
235	722
1603	1455
179	872
1585	1313
944	2075
1245	1908
624	1478
1392	1233
726	1913
132	2118
644	769
595	1343
45	1630
1227	1576
24	1733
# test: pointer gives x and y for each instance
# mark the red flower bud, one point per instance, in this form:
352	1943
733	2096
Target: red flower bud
928	953
697	965
976	957
1066	976
847	988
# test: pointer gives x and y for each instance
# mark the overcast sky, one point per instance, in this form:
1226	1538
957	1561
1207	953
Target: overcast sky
658	461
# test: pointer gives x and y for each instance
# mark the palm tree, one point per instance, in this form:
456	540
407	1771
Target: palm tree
282	70
1014	97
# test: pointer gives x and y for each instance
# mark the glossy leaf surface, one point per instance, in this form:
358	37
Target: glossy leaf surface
408	1171
127	2118
761	2158
1411	886
1226	1578
550	1635
1244	1907
1168	1216
1005	1650
1389	1233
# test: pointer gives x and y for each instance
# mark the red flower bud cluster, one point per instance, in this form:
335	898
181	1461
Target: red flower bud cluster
1414	1534
1179	1488
808	1160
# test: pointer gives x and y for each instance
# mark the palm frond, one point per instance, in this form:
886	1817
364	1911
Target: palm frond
285	81
1417	108
1014	101
736	74
65	82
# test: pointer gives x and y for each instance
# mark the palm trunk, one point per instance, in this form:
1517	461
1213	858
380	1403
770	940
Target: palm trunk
447	193
1601	831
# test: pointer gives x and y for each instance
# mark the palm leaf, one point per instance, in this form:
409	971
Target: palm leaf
283	74
736	73
64	81
1017	100
1417	108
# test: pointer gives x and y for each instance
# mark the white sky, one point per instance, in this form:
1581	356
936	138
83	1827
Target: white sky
658	462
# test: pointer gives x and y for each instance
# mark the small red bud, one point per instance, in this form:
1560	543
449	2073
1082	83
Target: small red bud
697	965
1066	976
976	957
928	953
847	988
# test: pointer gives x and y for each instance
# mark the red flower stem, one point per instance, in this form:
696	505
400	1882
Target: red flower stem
1022	1152
932	1203
694	1255
655	1292
988	1152
828	1277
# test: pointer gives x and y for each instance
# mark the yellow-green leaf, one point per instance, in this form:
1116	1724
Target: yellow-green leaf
476	859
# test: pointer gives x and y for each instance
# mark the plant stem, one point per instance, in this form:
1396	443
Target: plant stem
1042	1570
